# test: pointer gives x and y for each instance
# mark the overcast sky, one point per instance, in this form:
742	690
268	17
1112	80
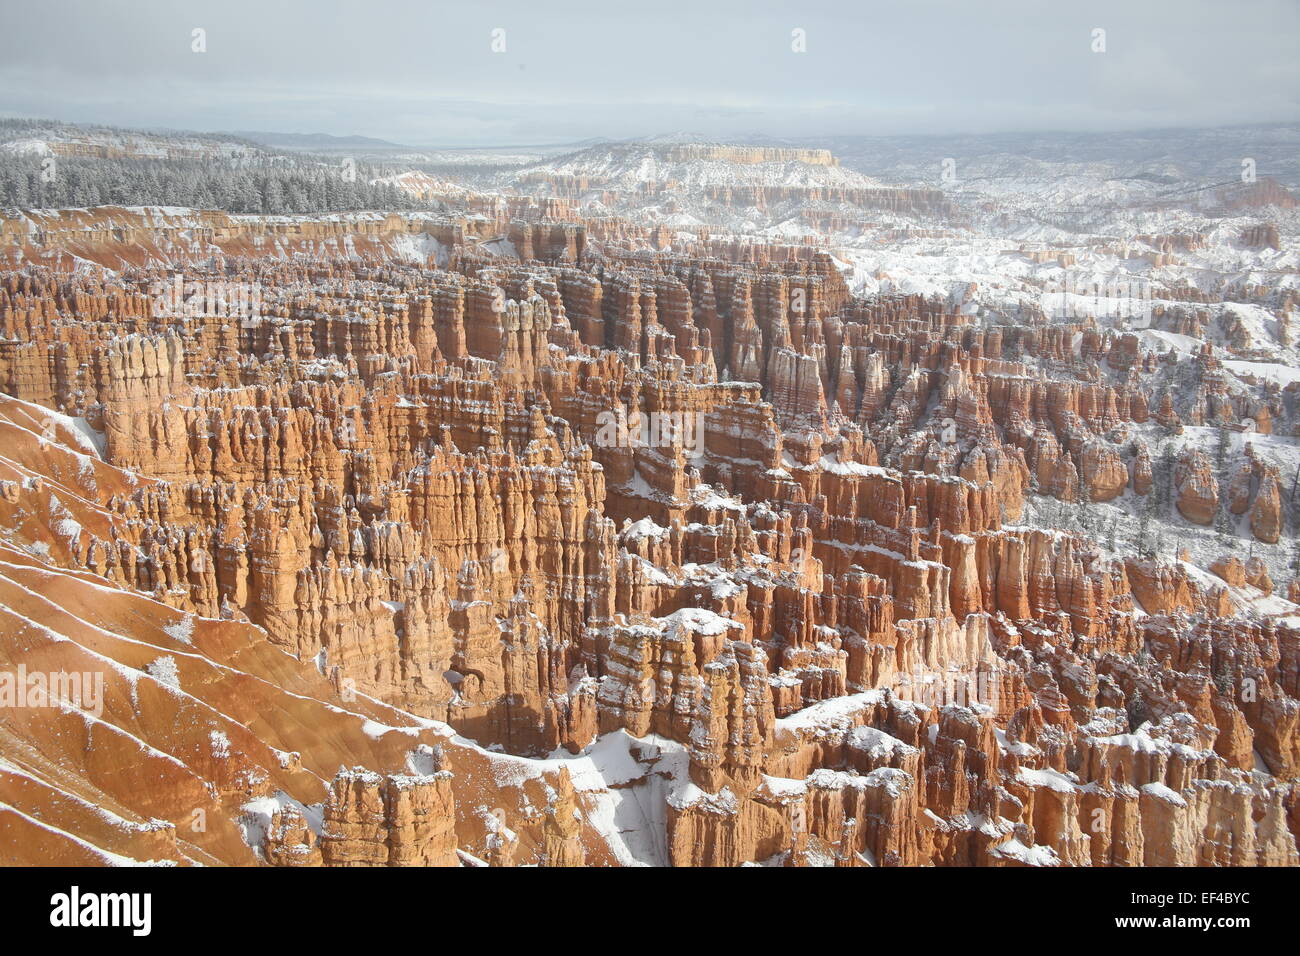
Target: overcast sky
424	73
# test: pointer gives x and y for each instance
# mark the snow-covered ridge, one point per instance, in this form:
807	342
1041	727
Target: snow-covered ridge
628	166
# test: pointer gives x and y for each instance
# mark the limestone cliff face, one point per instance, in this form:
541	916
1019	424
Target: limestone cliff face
813	576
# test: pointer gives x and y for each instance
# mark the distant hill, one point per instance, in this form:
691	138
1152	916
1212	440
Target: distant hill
311	141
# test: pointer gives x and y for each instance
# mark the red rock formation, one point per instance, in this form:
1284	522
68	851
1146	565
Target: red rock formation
522	540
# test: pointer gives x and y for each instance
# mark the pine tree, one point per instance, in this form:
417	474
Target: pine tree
1222	517
1163	481
1143	541
272	197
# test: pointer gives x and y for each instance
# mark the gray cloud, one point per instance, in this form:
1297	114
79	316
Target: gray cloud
424	73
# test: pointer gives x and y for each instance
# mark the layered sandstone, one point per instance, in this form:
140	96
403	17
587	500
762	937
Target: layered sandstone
455	561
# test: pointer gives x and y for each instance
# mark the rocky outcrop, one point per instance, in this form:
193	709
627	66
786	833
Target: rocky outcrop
503	555
397	820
